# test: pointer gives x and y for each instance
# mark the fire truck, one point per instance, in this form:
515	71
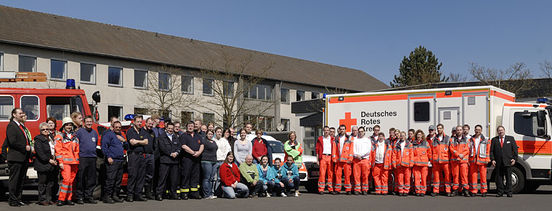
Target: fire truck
39	104
529	123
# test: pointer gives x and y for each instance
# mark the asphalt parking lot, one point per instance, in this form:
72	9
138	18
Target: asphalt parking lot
540	200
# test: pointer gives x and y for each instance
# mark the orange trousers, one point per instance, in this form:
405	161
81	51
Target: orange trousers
361	172
441	169
326	173
420	179
459	175
380	179
68	174
339	169
482	170
403	179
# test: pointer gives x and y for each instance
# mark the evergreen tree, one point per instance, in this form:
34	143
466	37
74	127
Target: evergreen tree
420	67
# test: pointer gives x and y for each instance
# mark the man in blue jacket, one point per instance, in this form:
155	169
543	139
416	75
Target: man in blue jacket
112	148
86	175
290	175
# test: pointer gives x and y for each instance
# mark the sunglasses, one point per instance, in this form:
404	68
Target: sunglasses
45	130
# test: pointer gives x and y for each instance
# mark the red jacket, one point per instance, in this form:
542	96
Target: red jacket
229	175
320	146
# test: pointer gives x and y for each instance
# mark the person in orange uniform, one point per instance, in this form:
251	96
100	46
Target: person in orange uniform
342	156
480	149
402	162
381	164
67	155
440	161
422	157
324	153
459	159
362	161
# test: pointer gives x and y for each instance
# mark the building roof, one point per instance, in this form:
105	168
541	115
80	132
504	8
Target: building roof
36	29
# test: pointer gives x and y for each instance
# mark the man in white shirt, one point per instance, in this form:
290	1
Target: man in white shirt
362	152
324	154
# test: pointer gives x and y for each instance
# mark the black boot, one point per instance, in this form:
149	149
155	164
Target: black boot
149	195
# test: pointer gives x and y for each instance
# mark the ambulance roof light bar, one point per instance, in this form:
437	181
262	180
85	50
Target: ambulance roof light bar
22	77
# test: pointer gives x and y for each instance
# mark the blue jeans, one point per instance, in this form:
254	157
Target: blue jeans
294	184
241	190
208	169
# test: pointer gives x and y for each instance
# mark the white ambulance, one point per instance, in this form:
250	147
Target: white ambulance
529	123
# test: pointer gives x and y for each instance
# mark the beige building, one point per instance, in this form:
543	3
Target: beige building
121	62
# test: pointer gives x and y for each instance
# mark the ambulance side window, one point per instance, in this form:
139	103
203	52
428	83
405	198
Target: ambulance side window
421	111
6	106
29	104
525	123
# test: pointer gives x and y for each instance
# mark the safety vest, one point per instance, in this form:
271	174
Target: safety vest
440	149
459	146
346	153
481	156
67	149
403	157
422	153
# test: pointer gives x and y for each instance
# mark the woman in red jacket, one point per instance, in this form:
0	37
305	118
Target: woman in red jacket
230	177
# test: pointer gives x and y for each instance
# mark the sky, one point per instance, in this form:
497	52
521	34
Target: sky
372	36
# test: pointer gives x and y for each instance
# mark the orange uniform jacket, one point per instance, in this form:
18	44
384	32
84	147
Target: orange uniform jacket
388	155
477	157
422	153
440	150
404	159
67	149
459	146
346	153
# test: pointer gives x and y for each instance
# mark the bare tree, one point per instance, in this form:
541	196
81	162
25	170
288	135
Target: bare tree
514	79
546	68
232	79
457	77
163	93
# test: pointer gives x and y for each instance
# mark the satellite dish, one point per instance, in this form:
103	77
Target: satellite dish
280	127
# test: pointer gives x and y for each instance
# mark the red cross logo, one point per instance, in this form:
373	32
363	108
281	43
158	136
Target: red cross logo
348	122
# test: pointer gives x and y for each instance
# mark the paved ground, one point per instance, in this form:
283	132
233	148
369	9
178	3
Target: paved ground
540	200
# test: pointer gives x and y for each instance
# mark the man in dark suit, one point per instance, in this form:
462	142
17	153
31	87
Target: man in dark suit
18	150
504	154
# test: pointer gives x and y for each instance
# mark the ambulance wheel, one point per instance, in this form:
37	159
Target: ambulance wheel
518	180
312	186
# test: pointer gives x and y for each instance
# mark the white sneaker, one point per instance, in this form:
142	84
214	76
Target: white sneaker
283	194
267	195
296	193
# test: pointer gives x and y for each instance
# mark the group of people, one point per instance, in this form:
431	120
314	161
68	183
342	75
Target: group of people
434	164
161	162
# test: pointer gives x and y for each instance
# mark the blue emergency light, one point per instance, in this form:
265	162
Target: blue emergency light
70	84
129	117
542	100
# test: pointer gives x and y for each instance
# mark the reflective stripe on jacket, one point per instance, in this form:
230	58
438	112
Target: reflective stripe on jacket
67	149
484	146
404	158
422	153
459	146
440	149
346	153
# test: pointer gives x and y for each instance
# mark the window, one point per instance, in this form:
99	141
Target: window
314	95
29	105
115	111
284	95
300	95
208	118
526	123
58	69
187	84
164	81
421	111
141	111
260	92
59	107
186	117
208	86
114	76
6	106
1	62
260	122
88	73
228	88
140	78
285	123
27	64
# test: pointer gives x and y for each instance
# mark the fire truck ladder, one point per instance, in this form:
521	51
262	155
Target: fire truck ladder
22	77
